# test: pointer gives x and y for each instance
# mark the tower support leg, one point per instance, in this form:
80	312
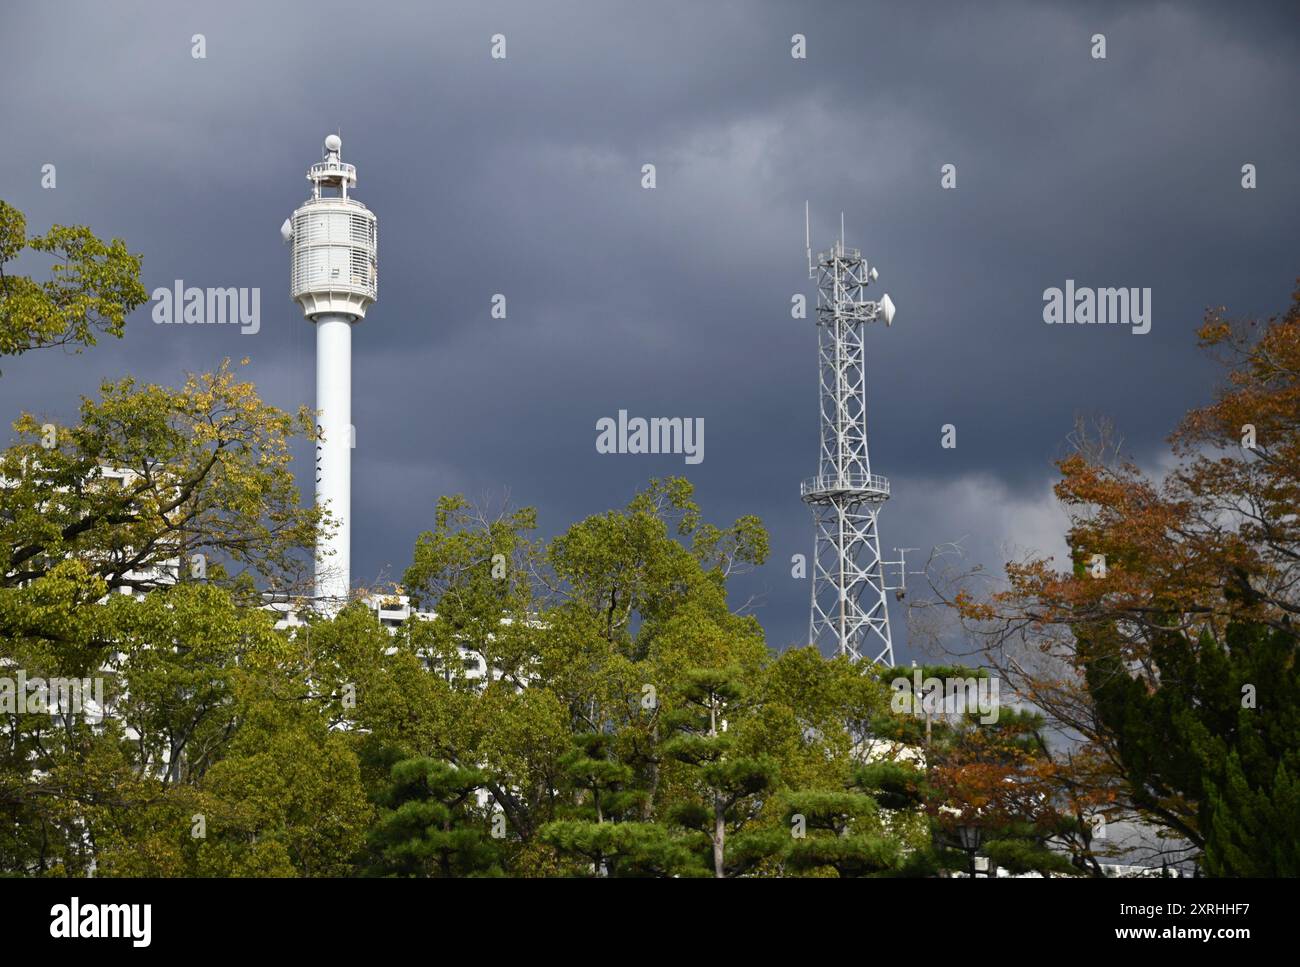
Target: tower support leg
849	605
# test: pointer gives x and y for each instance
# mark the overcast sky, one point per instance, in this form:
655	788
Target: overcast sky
523	176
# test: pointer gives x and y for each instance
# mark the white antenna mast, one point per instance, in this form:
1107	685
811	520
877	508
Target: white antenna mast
807	238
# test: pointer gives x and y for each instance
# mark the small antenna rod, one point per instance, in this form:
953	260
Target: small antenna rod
807	238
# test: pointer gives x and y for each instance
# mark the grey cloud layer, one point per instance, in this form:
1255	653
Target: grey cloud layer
522	177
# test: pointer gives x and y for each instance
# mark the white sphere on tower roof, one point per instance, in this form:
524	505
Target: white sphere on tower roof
333	143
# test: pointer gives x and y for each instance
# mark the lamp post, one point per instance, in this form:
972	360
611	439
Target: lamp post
971	838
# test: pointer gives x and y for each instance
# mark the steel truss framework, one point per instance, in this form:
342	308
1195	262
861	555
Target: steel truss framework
849	607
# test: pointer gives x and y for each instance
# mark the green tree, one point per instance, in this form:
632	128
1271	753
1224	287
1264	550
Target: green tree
840	830
1222	737
287	797
152	485
601	826
431	823
92	287
477	568
728	786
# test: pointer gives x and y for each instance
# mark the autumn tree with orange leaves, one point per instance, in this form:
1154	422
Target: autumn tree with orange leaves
1167	650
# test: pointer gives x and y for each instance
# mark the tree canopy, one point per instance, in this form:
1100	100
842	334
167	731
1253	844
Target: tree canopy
1167	646
596	704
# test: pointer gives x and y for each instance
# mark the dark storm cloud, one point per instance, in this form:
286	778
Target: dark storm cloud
522	177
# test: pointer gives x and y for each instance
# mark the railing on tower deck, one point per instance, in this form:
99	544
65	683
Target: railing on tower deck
867	484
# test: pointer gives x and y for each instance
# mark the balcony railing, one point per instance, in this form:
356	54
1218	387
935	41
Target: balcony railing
869	485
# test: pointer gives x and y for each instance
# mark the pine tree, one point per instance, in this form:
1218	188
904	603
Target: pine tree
727	786
842	831
432	823
601	827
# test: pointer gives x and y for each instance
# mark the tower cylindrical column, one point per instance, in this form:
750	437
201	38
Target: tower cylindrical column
334	278
334	456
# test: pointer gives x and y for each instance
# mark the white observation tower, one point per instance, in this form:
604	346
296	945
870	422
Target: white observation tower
334	277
